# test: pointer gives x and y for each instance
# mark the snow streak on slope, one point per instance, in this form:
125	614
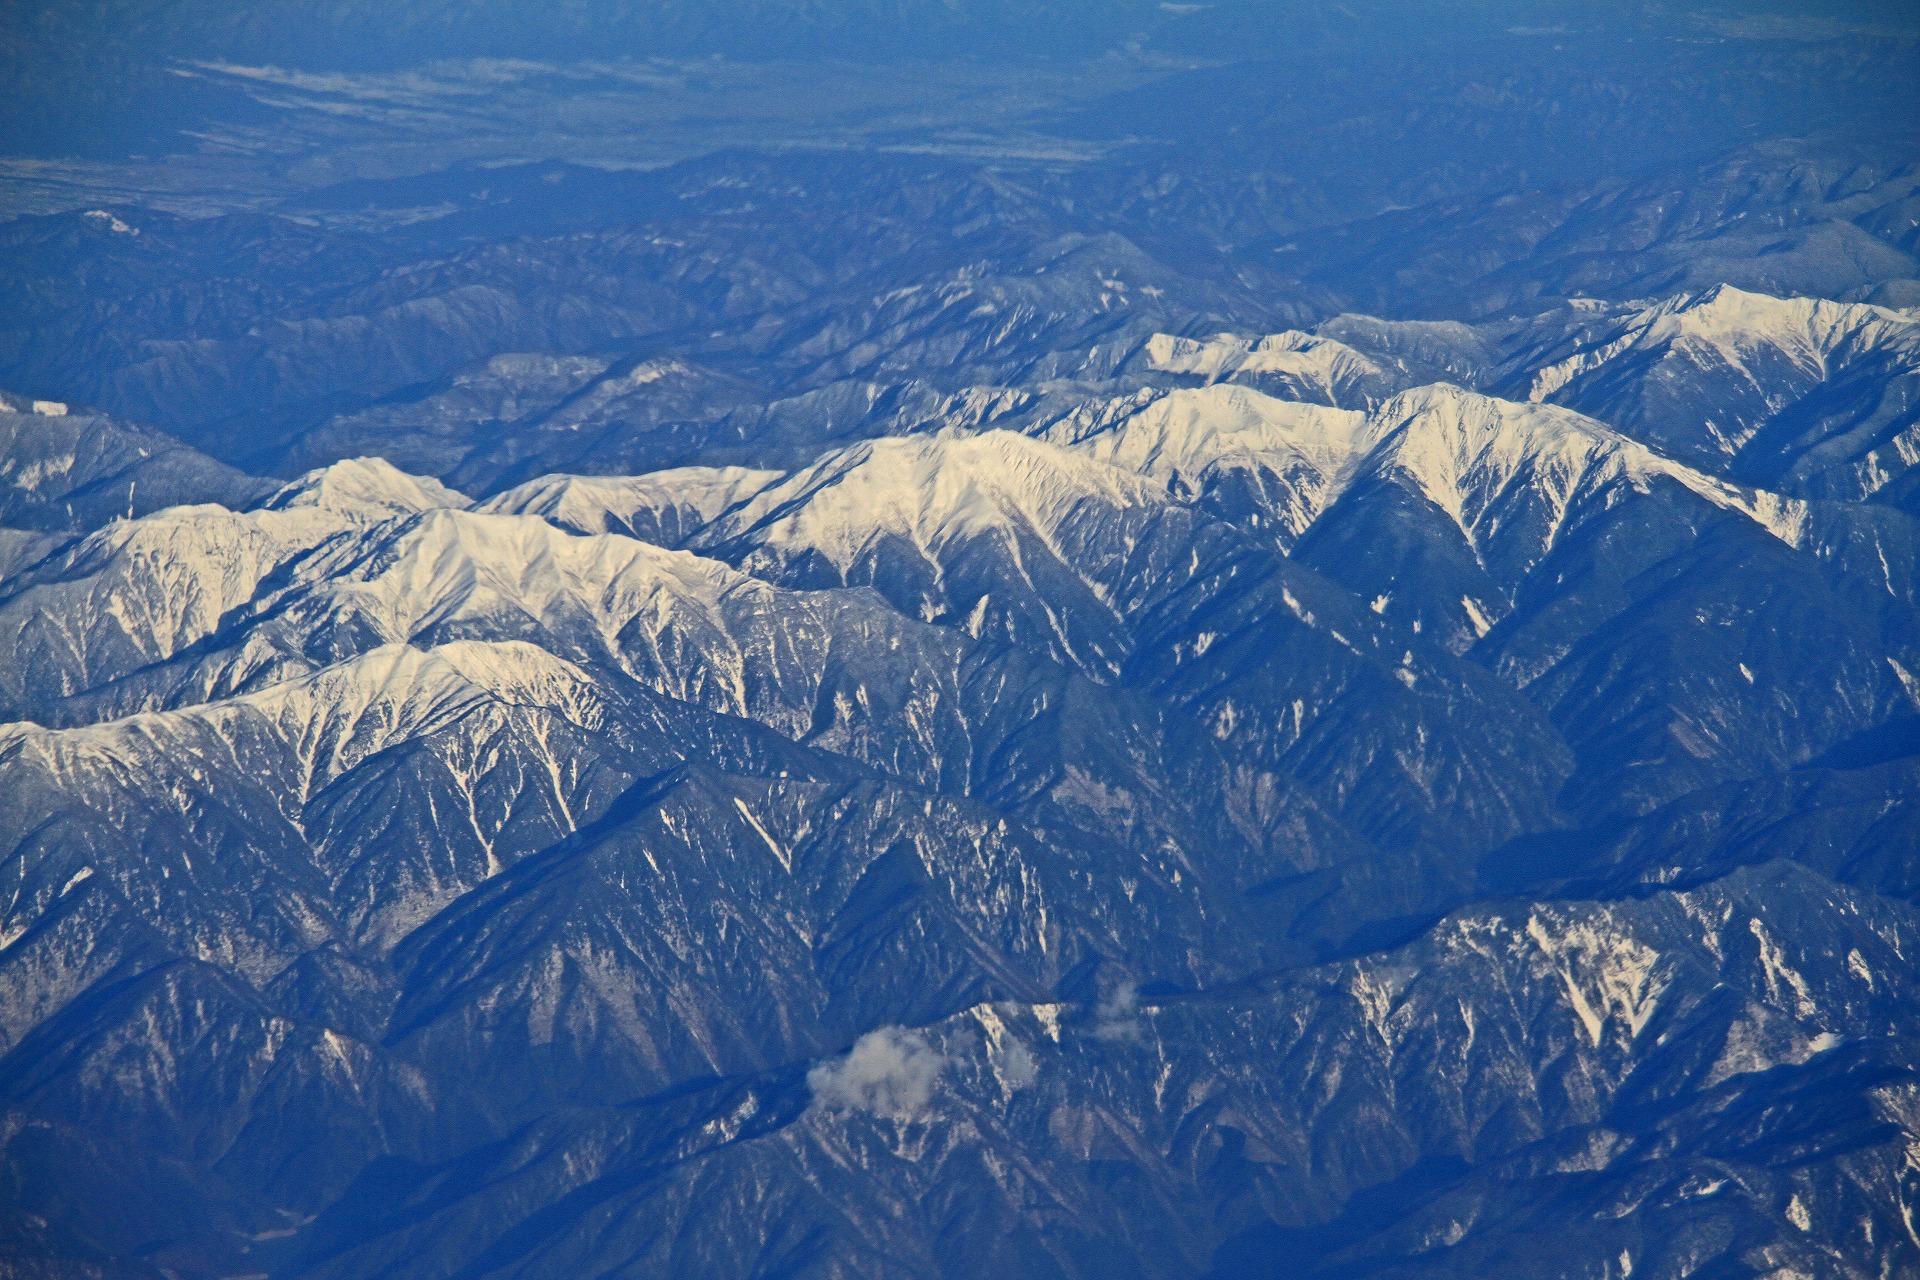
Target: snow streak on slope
449	574
336	717
1811	396
1477	458
144	590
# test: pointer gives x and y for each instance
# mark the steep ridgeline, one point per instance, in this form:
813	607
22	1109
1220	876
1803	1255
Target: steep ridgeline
1016	541
960	640
1675	629
65	469
1812	398
1580	1089
1198	834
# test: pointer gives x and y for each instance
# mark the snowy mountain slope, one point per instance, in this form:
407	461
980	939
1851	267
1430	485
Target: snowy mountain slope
1500	482
1445	511
1506	477
1638	1048
536	804
1014	540
141	591
914	516
475	756
72	471
1349	362
1449	512
834	671
773	922
1465	453
666	508
1537	542
508	739
1232	448
1292	365
145	590
1799	394
365	489
983	717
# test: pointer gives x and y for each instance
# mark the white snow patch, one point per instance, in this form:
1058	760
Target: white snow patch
113	224
1190	439
1606	974
933	492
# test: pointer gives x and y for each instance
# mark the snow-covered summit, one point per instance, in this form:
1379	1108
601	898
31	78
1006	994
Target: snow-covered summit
1465	451
929	490
142	590
670	505
335	717
1476	457
464	569
1191	439
1799	394
1472	455
1725	330
1181	435
1309	366
366	488
308	586
397	685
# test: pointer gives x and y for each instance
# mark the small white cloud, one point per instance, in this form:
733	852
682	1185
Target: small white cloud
889	1072
1017	1067
1113	1017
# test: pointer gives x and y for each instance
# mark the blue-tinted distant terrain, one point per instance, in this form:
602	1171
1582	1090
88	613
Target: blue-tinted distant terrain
1012	639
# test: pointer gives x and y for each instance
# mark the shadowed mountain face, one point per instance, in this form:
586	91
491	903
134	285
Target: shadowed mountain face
947	640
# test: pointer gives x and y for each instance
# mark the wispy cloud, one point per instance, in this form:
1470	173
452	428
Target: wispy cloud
889	1072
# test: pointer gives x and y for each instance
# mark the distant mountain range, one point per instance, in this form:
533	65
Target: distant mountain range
1196	673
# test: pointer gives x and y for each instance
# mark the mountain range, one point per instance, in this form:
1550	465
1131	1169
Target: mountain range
1241	663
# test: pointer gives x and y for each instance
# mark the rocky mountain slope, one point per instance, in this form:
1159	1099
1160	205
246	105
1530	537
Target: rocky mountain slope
626	872
1191	641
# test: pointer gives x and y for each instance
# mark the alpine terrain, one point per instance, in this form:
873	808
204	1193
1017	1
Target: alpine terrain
976	640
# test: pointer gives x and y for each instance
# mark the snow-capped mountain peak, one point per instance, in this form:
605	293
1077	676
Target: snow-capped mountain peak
929	490
1310	366
341	714
366	488
464	569
1473	455
1192	438
1464	450
1746	346
670	505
